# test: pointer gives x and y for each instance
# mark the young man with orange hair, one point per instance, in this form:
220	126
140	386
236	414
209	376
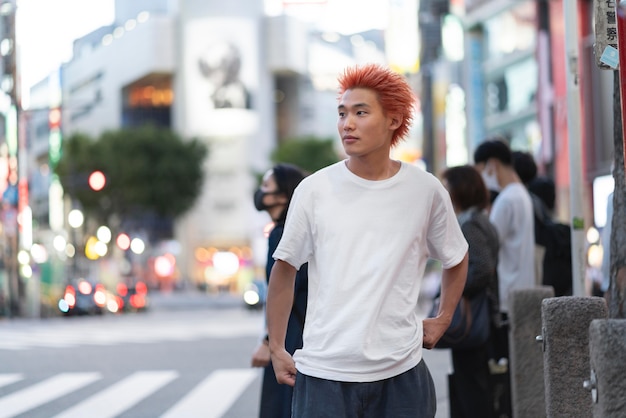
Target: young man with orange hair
366	226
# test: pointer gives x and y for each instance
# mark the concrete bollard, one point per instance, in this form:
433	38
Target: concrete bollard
525	355
607	352
565	331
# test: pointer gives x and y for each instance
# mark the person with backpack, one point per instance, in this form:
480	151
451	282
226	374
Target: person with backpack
553	240
470	389
512	215
555	237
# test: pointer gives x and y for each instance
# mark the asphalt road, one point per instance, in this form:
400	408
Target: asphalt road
187	356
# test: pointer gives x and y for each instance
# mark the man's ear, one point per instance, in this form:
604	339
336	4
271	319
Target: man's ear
395	121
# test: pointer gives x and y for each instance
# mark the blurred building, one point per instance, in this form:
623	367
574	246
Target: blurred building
510	77
223	72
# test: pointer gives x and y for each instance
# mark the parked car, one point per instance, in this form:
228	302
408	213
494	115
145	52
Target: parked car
132	298
83	297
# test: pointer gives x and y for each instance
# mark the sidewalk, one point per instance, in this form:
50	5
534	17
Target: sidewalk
439	364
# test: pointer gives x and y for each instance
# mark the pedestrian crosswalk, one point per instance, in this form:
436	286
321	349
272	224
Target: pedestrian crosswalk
43	392
211	398
73	332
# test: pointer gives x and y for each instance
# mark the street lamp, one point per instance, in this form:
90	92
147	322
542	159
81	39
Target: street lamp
75	218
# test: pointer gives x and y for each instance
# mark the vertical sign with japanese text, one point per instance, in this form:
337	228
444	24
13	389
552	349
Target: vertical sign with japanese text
605	48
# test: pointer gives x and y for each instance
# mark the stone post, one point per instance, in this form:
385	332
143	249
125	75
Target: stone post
565	332
525	355
607	352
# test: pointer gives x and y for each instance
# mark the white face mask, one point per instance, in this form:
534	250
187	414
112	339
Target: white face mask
490	178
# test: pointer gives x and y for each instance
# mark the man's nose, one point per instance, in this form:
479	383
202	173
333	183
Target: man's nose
348	123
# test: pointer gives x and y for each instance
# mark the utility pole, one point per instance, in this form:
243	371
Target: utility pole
575	146
429	17
617	286
610	51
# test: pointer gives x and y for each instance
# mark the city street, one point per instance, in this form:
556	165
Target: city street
188	356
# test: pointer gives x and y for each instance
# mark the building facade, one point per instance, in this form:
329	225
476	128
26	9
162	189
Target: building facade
222	72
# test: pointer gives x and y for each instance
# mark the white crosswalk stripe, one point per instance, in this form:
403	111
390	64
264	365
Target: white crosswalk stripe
211	398
121	396
7	379
41	393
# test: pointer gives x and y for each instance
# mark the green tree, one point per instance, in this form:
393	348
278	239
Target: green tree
151	173
309	153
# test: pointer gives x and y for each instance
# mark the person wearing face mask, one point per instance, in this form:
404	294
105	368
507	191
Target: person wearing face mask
513	216
273	197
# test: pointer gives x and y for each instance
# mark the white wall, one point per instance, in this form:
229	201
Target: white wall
92	103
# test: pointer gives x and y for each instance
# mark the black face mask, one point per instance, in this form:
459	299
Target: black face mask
259	195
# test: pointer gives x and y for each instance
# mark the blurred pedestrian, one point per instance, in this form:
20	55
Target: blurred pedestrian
526	168
470	394
553	260
366	226
512	215
273	196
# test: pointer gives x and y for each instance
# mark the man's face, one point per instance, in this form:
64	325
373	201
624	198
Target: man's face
489	172
363	126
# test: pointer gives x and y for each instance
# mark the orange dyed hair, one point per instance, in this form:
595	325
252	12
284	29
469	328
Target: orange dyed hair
394	93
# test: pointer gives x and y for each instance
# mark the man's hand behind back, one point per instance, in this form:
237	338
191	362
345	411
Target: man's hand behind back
434	328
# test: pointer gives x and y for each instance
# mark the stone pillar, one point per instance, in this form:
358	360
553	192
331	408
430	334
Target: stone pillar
565	331
607	352
525	355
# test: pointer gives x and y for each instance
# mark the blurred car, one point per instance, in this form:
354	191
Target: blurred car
132	298
255	293
83	297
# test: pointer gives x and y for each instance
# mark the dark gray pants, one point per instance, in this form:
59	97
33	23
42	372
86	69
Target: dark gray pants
408	395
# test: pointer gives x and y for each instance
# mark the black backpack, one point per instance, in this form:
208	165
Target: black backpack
556	238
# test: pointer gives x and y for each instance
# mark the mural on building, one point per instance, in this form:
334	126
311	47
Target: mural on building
220	79
220	64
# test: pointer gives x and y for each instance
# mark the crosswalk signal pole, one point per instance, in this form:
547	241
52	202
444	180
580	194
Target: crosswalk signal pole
575	147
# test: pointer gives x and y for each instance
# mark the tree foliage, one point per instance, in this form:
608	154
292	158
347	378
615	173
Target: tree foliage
309	153
150	172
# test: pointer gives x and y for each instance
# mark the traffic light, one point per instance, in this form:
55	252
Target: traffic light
97	180
55	137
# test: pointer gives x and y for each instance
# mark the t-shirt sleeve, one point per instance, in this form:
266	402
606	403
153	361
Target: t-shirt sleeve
296	244
445	239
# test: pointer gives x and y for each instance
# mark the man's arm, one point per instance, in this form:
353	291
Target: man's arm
452	284
279	302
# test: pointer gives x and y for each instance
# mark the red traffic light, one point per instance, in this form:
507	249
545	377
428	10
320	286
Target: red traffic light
97	180
54	118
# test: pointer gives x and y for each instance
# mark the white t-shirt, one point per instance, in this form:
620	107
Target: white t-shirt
512	215
367	243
